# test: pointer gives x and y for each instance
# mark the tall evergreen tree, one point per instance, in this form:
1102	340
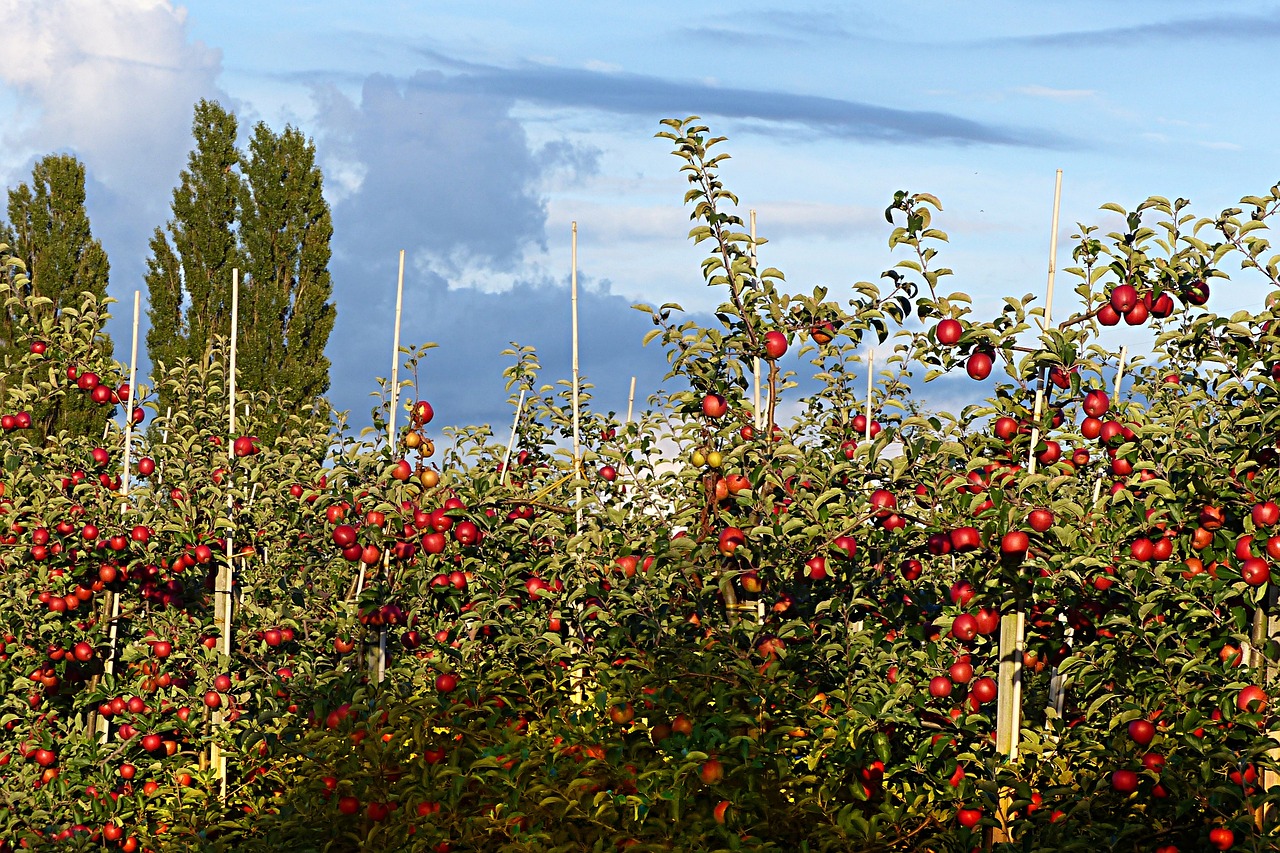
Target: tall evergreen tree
189	271
263	213
49	231
285	230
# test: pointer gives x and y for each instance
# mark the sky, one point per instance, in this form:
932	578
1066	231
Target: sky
472	134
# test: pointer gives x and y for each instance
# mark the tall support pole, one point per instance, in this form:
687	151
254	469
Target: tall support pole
577	411
395	358
515	425
1013	625
222	602
395	387
631	399
759	412
871	382
111	603
380	665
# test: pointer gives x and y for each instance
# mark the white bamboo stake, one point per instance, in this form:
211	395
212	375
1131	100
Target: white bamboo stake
631	399
395	388
577	424
395	358
112	603
133	381
515	425
381	668
759	413
222	588
871	378
1013	625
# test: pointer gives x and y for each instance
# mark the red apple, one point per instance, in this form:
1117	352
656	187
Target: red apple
775	343
979	365
1142	731
948	332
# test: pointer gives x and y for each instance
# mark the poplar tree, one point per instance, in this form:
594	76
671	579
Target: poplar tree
49	230
285	229
263	213
189	271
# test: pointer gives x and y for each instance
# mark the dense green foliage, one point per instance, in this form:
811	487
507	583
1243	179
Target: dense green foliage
262	213
770	639
48	230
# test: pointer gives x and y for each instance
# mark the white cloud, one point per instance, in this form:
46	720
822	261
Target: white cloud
113	81
1055	94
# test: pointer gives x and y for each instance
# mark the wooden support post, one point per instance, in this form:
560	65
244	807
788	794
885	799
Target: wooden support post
1013	623
515	425
631	399
577	384
222	601
757	411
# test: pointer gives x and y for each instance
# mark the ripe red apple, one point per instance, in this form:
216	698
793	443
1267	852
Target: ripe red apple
1252	699
714	406
1006	428
1142	731
969	818
1197	293
730	539
948	332
883	501
979	365
446	682
1266	514
815	568
1107	315
1014	543
1096	403
940	687
1124	781
1138	315
983	690
966	539
1255	571
1040	520
845	546
423	413
961	593
964	628
1123	298
961	672
775	343
344	535
1161	306
1221	838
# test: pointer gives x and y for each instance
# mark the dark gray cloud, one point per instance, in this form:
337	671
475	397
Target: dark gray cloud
463	377
440	171
1247	27
658	97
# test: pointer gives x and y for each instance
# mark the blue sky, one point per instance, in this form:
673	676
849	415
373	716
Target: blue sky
472	134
